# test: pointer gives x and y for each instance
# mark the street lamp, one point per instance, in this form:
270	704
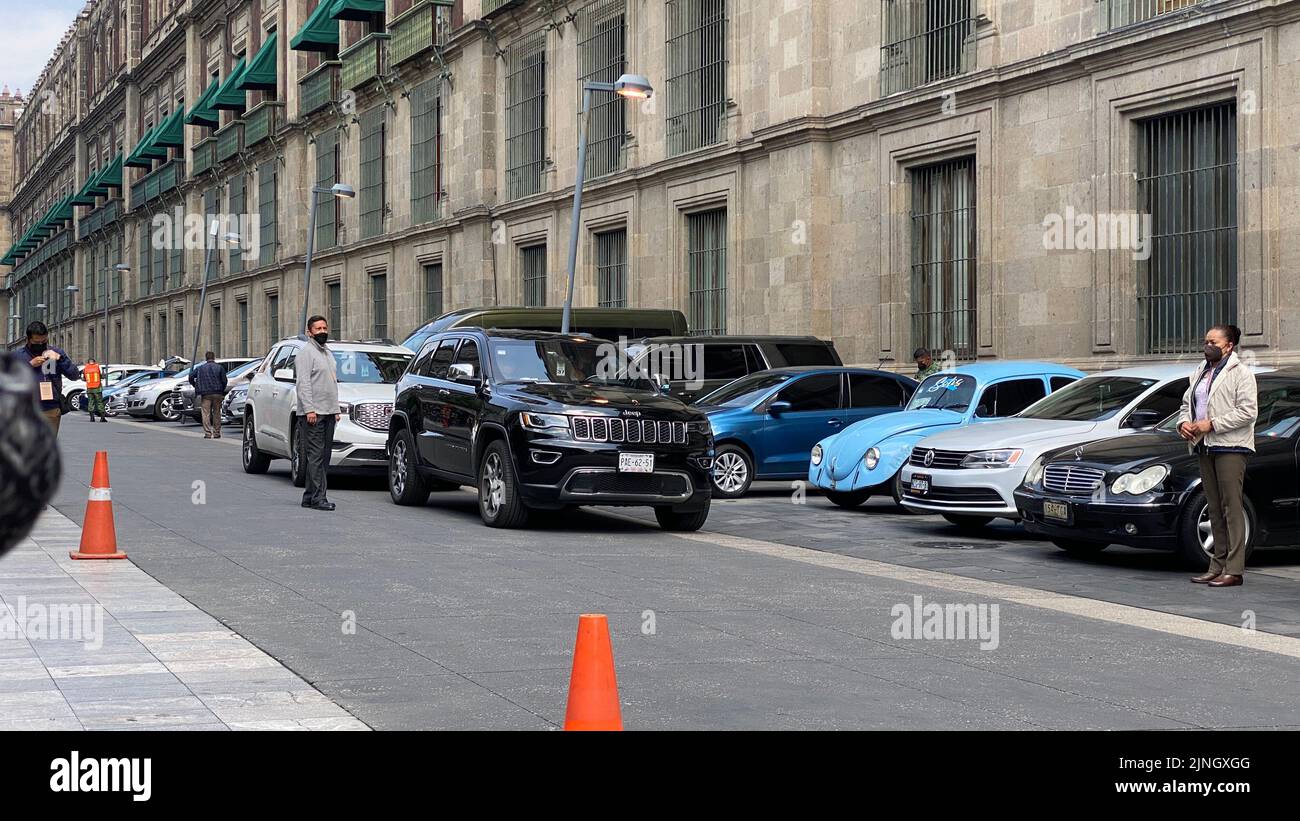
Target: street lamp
231	238
120	268
338	191
628	86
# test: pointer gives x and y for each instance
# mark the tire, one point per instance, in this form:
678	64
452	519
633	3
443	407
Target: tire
968	524
733	472
296	474
1077	547
164	409
682	522
77	399
848	498
895	486
1194	538
254	460
498	489
405	484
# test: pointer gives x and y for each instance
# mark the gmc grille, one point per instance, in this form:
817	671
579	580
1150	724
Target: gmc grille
1072	479
631	431
373	415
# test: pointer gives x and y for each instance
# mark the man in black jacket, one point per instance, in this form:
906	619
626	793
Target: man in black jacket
209	381
49	366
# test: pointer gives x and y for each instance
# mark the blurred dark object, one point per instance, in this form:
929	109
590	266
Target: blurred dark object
29	454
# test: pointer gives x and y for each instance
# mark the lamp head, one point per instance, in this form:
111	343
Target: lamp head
344	192
634	87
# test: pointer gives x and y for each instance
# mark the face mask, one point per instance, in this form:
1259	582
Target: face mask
321	338
1212	353
36	347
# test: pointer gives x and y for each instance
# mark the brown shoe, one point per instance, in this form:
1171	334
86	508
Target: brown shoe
1227	580
1205	578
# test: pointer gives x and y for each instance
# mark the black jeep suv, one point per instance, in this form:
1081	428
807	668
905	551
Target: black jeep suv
539	420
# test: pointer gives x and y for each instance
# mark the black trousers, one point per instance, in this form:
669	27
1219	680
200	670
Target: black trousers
315	441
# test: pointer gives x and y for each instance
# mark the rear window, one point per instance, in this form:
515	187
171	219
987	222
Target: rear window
804	353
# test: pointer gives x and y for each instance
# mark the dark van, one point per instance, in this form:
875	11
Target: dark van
603	323
696	365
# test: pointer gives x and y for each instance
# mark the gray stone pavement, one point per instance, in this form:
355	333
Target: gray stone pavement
461	626
100	645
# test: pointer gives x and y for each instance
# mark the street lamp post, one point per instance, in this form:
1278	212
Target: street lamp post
231	238
338	191
631	86
120	268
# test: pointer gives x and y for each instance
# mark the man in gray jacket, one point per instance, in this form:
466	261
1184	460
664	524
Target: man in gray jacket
318	404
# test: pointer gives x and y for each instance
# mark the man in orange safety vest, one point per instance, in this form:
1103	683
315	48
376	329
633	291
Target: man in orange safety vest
94	390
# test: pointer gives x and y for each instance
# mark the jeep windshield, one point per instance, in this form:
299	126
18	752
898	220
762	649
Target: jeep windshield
370	367
944	391
568	361
1091	399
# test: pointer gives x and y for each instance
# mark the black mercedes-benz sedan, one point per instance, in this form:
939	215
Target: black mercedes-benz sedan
1144	489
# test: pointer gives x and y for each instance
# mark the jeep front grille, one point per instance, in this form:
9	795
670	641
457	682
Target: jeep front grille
631	431
373	415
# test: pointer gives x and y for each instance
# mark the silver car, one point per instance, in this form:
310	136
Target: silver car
157	399
188	408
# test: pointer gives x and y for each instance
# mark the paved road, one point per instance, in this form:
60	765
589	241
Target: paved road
777	616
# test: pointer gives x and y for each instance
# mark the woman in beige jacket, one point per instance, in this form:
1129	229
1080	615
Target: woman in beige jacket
1218	421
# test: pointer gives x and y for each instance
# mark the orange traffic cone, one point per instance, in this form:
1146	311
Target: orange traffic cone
98	537
593	689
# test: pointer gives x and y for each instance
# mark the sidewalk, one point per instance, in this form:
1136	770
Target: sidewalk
101	645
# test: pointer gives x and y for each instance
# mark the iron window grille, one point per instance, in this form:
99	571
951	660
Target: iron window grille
602	51
179	325
216	329
433	295
241	308
532	261
178	254
334	299
145	277
426	151
209	214
707	266
944	257
1187	182
327	175
1113	14
379	304
526	116
925	41
372	172
272	318
611	268
697	74
266	213
238	206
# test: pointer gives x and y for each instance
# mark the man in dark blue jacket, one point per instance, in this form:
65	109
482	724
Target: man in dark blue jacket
209	381
49	366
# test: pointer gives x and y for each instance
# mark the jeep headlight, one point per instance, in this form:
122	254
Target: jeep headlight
704	428
1139	483
871	459
544	421
1035	472
817	454
1004	458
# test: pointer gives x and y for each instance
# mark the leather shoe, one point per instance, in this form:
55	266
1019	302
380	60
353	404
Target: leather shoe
322	506
1227	580
1205	578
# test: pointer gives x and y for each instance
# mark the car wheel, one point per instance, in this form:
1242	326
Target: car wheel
1078	547
733	472
296	474
498	489
165	408
1196	538
895	486
848	498
968	524
77	399
682	522
405	484
254	460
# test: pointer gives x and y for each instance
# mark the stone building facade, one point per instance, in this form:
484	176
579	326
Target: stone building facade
1087	181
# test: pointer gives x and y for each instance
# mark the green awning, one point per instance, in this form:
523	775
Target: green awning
62	212
320	32
230	97
88	192
171	133
261	74
142	156
202	113
359	10
111	178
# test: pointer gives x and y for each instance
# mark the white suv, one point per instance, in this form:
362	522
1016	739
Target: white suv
367	374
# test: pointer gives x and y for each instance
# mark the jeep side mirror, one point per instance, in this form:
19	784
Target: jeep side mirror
661	382
283	375
778	408
463	372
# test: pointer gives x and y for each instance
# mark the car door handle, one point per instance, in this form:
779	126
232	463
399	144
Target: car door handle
444	392
835	421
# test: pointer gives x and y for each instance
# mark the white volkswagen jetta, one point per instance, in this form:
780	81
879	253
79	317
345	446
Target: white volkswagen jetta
969	474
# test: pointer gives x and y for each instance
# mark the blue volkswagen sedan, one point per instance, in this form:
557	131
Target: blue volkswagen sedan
864	459
764	423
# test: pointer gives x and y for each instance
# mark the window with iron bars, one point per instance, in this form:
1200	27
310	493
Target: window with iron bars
379	306
163	341
706	252
697	74
179	326
602	51
1112	14
266	216
210	213
327	174
1187	183
611	268
526	116
944	257
113	254
433	296
241	308
532	262
214	332
238	207
426	151
334	299
178	254
372	172
272	318
91	298
145	277
924	41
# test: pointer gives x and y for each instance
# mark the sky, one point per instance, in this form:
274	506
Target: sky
29	32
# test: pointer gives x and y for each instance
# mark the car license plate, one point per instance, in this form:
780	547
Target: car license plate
636	463
1056	511
920	484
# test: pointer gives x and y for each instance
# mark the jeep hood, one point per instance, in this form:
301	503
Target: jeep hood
595	397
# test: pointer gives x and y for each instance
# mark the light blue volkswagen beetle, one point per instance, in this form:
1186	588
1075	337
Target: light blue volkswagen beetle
865	458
